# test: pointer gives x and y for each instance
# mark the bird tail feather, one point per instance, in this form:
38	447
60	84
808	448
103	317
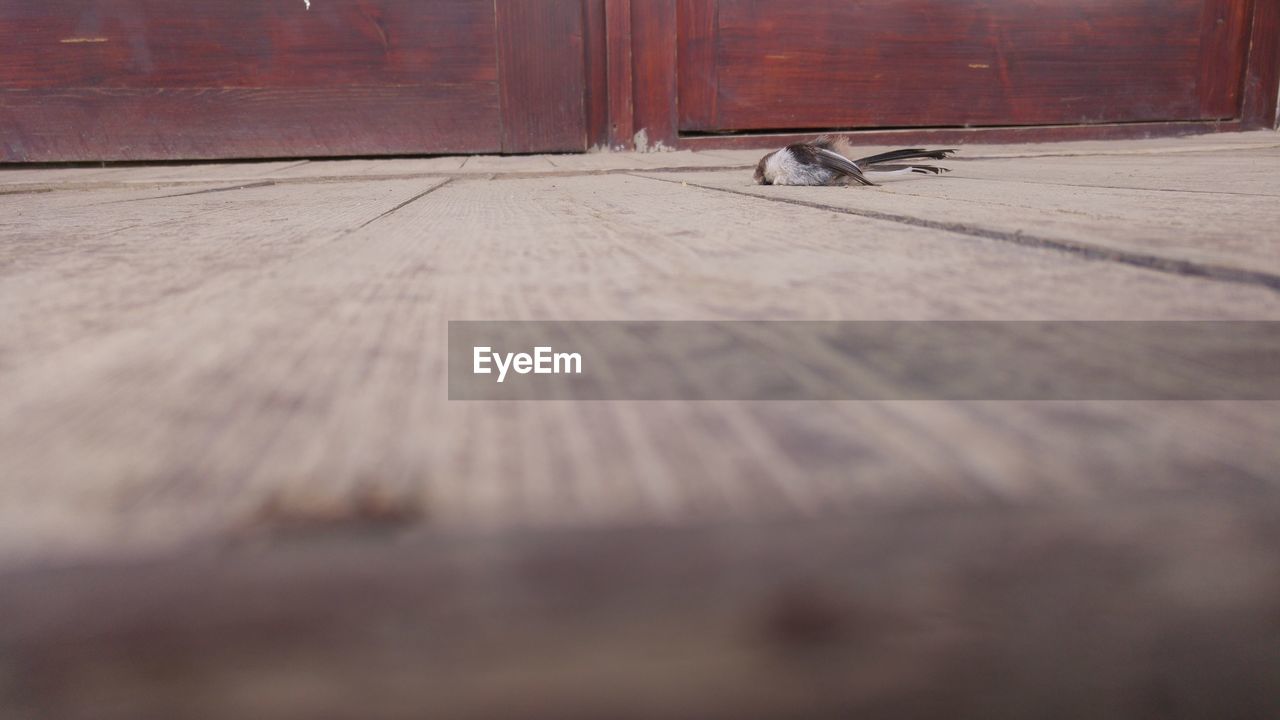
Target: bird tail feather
904	154
880	170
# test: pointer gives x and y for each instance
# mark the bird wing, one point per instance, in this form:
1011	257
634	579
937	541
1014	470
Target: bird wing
840	164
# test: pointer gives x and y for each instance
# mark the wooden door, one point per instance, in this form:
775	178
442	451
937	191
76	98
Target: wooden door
165	80
753	65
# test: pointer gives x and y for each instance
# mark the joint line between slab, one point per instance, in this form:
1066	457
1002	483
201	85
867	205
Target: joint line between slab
1157	263
1021	181
242	186
404	204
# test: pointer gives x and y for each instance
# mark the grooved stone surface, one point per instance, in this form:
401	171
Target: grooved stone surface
187	352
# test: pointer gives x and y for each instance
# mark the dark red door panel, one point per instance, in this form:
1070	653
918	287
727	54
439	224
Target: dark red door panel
760	64
158	79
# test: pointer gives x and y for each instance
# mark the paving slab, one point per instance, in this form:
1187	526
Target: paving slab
79	266
174	366
1219	213
17	178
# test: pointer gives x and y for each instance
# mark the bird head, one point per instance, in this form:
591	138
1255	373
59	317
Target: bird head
761	167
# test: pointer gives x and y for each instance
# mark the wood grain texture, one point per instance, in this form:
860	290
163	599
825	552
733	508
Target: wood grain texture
596	49
171	366
1224	49
698	69
218	124
1153	607
1262	74
621	75
654	29
822	64
133	79
140	79
147	44
542	75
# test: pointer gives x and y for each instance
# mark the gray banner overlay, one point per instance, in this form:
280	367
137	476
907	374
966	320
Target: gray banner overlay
786	360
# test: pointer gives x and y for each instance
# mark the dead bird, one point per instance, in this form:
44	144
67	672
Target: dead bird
825	161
